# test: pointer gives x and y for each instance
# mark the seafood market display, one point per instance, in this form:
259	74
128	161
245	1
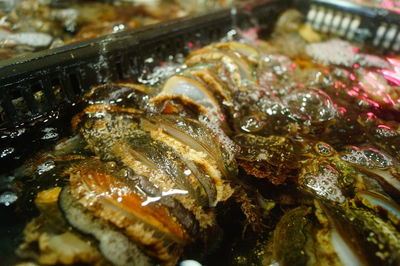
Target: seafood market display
33	25
251	152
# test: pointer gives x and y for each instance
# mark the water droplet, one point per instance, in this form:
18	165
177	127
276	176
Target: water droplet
49	133
45	167
111	164
7	198
7	151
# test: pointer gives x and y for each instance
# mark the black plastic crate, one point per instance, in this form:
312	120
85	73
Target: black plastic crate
369	25
74	68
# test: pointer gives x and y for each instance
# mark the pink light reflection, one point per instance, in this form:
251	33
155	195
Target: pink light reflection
292	66
371	115
352	93
393	76
392	5
251	34
377	88
373	103
384	127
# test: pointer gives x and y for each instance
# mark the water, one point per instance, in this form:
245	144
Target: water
154	75
45	167
369	157
6	152
7	198
252	124
325	183
234	17
311	104
101	66
50	133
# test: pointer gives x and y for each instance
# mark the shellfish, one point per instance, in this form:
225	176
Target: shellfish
154	166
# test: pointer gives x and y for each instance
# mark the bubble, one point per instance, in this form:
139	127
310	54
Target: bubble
354	155
153	75
252	124
276	113
324	149
377	158
369	157
311	181
214	124
325	183
189	263
385	132
311	104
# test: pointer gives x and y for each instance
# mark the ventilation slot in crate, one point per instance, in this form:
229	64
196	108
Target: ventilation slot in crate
15	105
40	97
119	70
328	20
363	24
70	85
8	111
59	94
387	36
48	92
76	83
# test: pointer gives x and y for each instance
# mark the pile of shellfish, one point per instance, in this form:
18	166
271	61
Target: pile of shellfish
33	25
304	142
